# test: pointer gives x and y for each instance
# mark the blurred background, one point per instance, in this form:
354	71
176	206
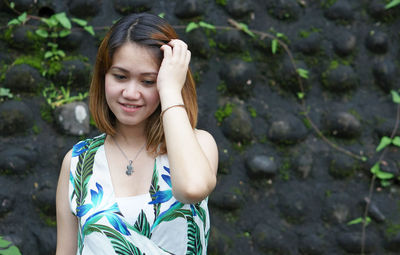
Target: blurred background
302	97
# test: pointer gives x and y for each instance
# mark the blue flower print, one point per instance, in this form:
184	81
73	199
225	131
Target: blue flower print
166	195
79	148
112	213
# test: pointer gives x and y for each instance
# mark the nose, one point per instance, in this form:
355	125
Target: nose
132	91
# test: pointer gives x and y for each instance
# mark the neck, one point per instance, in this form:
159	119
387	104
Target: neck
130	136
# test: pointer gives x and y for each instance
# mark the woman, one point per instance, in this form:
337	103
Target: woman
142	186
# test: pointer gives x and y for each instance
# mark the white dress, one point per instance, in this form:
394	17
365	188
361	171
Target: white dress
152	223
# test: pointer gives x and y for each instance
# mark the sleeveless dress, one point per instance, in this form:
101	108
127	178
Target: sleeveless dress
163	224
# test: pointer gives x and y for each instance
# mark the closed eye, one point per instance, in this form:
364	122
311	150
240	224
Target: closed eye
119	77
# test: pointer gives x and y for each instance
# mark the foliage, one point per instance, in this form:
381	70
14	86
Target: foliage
6	248
359	220
224	112
253	112
57	97
5	92
221	2
193	25
392	4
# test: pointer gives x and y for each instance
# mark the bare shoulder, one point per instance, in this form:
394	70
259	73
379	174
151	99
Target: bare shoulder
204	137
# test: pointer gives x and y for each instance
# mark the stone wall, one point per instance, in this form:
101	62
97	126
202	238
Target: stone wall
281	188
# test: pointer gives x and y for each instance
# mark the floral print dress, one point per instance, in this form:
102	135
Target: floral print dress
171	227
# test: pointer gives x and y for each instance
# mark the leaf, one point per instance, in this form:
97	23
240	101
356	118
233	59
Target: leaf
359	220
246	29
161	15
364	159
303	73
12	5
89	29
396	141
191	26
6	248
60	53
22	17
300	95
395	96
274	46
42	33
54	35
376	168
51	22
142	226
63	20
13	22
206	25
64	33
385	141
384	175
48	54
392	4
80	22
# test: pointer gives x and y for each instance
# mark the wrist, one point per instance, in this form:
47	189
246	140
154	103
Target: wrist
169	98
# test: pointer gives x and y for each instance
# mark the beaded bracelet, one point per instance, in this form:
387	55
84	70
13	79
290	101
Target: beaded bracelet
172	106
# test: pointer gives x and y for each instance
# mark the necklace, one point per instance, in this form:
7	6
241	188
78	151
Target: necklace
129	167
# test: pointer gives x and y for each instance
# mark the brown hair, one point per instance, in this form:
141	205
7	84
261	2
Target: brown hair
150	31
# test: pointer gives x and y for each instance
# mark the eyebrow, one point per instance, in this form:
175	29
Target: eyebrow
127	71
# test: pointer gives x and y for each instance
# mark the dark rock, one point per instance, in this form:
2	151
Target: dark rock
342	124
390	166
187	9
6	204
74	73
340	79
385	128
385	74
378	11
344	43
374	211
24	5
342	166
226	199
198	43
15	118
73	40
130	6
351	242
238	76
377	42
287	130
83	9
16	160
289	76
273	241
312	245
22	78
73	118
224	159
231	40
46	238
336	209
340	10
392	243
45	200
238	8
284	9
22	38
261	166
310	44
237	127
304	164
219	242
293	206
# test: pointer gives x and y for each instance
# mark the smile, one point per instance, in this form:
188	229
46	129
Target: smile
130	108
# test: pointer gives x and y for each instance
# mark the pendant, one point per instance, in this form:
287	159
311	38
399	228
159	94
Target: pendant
129	168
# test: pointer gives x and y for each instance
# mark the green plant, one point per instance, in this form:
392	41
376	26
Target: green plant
193	25
359	220
392	4
6	248
253	112
221	2
5	92
223	112
56	97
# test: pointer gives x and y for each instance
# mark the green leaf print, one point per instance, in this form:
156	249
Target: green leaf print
194	246
118	241
142	226
154	189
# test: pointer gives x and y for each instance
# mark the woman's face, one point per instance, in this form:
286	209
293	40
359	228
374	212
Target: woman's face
130	84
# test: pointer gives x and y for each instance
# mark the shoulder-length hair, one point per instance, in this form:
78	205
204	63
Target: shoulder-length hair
150	31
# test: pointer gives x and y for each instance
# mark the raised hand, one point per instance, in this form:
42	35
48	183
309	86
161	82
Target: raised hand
174	67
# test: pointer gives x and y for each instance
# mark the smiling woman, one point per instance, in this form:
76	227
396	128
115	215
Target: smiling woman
142	186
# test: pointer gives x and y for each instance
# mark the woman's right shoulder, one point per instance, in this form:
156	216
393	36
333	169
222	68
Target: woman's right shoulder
66	161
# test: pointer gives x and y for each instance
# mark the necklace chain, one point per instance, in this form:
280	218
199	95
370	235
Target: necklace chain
129	167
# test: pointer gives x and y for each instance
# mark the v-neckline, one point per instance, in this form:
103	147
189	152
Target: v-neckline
107	167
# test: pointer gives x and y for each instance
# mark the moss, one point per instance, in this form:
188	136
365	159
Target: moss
392	229
284	170
303	33
221	2
252	111
48	220
34	61
327	3
46	113
246	57
224	112
36	129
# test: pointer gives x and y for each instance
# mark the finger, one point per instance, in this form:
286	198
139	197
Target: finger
179	50
167	51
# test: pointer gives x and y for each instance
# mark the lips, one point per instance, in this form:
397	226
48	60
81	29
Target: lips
130	107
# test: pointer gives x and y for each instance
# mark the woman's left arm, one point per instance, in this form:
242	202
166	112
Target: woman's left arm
192	154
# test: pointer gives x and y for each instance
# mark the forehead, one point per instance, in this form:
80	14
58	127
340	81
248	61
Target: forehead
136	58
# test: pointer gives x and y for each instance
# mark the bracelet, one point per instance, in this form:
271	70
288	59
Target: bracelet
172	106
